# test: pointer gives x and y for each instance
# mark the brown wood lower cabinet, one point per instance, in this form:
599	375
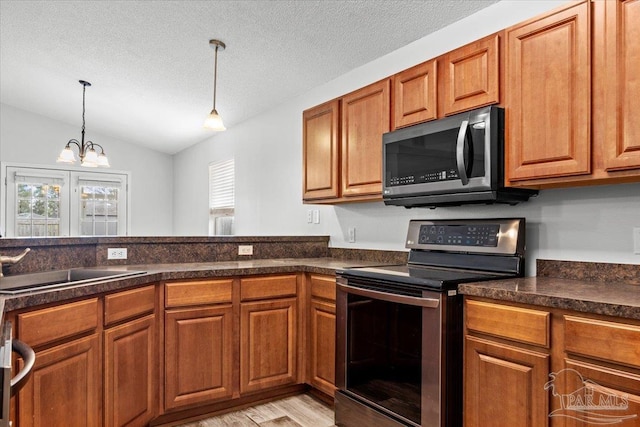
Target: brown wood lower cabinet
65	387
323	346
198	355
536	366
130	357
268	347
504	385
130	373
322	333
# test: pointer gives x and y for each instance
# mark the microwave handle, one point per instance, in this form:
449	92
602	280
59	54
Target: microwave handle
460	160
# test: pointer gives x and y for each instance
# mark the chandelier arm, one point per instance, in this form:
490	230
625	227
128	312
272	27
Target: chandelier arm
73	141
93	144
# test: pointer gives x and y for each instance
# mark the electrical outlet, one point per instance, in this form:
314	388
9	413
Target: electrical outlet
316	216
117	253
245	249
352	234
636	240
309	216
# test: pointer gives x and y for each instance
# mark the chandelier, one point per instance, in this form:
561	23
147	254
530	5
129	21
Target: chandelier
86	150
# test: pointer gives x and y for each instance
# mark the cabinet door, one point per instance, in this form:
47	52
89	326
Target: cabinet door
365	117
617	93
268	344
65	386
611	396
198	355
471	76
130	373
548	96
414	95
504	385
323	346
321	162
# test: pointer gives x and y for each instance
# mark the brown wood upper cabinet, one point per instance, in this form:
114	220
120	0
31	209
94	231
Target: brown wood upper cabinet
470	76
617	87
414	95
571	96
548	95
365	117
342	146
321	163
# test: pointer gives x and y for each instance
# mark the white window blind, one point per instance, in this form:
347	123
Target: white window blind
222	185
221	197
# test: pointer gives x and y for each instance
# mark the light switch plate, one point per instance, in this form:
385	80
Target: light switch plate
352	234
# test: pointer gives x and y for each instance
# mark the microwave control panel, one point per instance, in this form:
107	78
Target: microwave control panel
444	175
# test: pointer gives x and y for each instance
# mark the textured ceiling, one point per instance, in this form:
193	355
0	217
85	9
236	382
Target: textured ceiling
151	66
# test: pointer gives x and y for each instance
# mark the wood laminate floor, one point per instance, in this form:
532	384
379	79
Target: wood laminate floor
296	411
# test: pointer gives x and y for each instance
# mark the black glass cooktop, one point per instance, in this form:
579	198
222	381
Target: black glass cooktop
428	277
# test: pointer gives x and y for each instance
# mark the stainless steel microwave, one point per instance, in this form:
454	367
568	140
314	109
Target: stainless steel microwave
452	161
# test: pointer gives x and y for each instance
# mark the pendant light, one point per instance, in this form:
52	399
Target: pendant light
214	121
86	150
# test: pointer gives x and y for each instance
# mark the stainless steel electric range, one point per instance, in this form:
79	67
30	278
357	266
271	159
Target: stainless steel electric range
399	328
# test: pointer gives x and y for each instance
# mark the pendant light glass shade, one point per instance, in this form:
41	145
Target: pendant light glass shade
214	121
103	161
66	155
90	159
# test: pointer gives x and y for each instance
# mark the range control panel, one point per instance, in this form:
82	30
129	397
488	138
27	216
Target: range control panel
465	235
504	236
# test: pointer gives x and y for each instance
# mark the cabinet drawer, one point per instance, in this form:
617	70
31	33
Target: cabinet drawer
254	288
611	341
323	287
56	323
198	292
128	304
514	323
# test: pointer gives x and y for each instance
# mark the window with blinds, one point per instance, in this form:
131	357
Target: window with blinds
221	197
44	202
100	202
38	203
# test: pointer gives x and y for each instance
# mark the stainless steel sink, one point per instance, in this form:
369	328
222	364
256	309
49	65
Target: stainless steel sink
59	278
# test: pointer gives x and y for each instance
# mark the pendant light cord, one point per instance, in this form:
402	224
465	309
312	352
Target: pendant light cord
215	77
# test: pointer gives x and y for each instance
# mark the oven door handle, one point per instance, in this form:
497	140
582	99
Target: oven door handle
386	296
29	358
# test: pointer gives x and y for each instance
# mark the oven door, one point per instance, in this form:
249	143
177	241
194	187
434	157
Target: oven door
389	357
454	154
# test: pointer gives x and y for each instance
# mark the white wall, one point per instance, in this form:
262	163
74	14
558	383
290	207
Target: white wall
30	138
590	224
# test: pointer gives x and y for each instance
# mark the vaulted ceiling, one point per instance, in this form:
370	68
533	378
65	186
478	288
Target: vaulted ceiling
151	66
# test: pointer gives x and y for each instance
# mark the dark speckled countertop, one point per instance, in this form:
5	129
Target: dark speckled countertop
580	287
178	271
607	289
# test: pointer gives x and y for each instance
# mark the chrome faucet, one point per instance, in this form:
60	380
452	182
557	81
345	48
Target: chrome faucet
12	259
